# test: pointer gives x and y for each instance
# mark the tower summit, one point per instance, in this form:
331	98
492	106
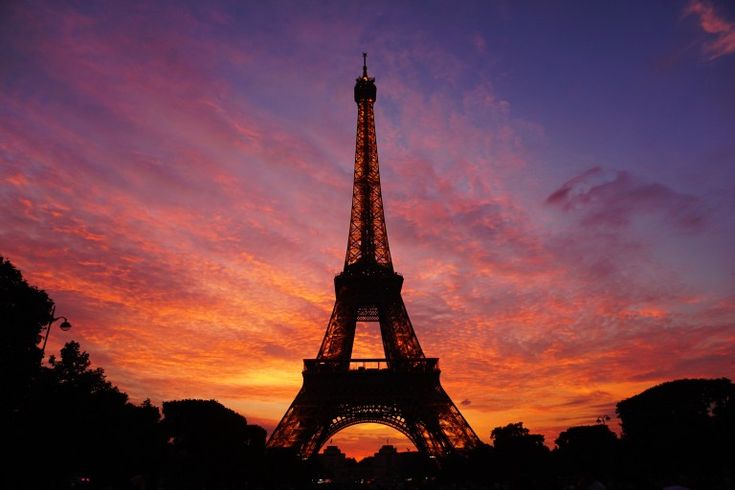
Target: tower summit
365	88
401	390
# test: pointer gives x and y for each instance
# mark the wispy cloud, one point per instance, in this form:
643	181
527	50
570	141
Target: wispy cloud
615	199
721	29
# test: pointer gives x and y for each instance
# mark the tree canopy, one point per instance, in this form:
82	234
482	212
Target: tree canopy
684	427
24	310
91	429
210	446
522	459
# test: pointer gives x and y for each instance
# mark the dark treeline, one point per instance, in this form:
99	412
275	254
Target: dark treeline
679	434
64	425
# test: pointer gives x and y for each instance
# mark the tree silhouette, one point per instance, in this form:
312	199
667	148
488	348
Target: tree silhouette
67	426
522	459
82	428
108	438
24	310
683	429
73	372
587	452
210	446
515	437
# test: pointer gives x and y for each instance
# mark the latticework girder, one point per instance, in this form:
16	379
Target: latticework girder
367	241
405	393
369	298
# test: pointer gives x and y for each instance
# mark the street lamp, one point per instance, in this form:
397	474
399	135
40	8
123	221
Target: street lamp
65	325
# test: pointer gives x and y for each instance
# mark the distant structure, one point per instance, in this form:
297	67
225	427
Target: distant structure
401	390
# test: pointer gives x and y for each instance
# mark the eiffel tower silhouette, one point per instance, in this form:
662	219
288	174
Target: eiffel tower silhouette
403	389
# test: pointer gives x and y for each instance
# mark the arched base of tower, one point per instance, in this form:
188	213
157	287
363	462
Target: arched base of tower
405	395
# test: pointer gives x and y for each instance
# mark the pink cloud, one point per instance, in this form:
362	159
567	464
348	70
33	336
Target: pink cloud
712	23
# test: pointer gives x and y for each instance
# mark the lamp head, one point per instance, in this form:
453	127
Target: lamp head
65	325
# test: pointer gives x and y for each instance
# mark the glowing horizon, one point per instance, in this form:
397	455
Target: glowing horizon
178	179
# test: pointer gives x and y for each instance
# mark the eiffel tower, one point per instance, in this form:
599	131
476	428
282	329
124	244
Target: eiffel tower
403	389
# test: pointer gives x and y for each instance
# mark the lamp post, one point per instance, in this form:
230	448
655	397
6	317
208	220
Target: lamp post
65	325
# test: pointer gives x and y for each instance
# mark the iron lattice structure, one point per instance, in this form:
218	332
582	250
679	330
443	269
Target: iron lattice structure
403	390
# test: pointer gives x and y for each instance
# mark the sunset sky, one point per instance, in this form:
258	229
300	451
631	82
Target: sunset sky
559	188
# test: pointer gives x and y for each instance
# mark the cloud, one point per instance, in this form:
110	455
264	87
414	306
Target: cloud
616	198
714	24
